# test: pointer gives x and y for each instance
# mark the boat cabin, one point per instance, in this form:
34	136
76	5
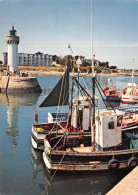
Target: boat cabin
81	114
108	129
52	117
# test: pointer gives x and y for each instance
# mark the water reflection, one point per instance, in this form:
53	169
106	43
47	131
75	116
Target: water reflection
14	102
12	119
37	163
98	183
90	183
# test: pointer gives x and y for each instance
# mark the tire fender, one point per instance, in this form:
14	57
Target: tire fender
133	162
113	164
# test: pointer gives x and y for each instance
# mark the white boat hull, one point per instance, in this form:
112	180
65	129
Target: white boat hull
130	99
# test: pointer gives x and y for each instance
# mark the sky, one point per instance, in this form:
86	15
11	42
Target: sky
49	26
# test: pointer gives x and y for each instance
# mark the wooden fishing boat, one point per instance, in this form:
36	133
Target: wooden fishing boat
112	94
40	130
109	146
130	93
106	147
57	122
109	151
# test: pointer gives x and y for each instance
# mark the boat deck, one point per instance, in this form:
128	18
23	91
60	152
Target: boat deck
81	149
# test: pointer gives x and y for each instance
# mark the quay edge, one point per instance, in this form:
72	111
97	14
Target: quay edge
128	185
17	84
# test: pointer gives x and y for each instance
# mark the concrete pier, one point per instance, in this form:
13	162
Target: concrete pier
128	185
14	84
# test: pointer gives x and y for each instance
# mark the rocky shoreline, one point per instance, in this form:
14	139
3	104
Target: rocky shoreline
53	71
56	73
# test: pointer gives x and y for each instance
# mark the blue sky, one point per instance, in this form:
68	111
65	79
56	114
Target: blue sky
50	25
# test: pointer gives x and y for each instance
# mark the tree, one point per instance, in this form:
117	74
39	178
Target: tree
104	64
113	67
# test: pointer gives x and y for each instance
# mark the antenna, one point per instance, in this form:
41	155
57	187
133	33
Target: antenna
13	24
92	63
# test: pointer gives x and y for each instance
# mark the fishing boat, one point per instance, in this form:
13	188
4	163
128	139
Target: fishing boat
106	148
130	93
112	94
57	122
130	121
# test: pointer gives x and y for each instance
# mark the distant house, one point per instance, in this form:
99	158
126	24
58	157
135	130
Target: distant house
25	59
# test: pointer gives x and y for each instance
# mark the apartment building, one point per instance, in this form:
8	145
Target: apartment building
25	59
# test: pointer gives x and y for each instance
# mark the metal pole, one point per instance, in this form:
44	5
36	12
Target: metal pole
78	78
93	116
92	64
93	90
133	73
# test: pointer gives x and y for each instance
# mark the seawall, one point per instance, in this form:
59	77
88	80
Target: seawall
128	185
20	84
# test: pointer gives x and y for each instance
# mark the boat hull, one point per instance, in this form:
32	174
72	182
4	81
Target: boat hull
94	165
39	131
37	143
112	99
58	155
130	99
37	137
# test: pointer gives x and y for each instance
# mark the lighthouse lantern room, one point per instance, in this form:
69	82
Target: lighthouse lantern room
12	41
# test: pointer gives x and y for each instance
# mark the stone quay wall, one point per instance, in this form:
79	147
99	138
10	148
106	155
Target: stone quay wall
16	84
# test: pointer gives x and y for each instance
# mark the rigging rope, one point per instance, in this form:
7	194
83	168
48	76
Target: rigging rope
98	85
54	173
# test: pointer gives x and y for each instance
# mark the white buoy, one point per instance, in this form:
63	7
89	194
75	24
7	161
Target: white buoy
12	41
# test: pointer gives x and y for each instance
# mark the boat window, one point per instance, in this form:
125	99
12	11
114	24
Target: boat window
119	120
111	125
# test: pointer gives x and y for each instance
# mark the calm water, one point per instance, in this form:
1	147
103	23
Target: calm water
21	168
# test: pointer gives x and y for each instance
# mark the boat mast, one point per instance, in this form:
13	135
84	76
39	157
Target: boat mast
133	73
74	66
93	89
72	85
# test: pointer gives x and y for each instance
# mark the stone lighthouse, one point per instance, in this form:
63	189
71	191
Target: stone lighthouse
12	41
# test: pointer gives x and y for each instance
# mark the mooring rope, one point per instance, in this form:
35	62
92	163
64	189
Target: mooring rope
57	142
54	173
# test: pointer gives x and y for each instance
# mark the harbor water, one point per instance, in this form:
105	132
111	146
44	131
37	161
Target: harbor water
22	170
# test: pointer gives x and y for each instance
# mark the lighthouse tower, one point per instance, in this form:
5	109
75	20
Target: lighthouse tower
12	41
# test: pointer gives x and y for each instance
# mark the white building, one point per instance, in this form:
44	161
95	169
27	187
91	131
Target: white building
25	59
12	41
